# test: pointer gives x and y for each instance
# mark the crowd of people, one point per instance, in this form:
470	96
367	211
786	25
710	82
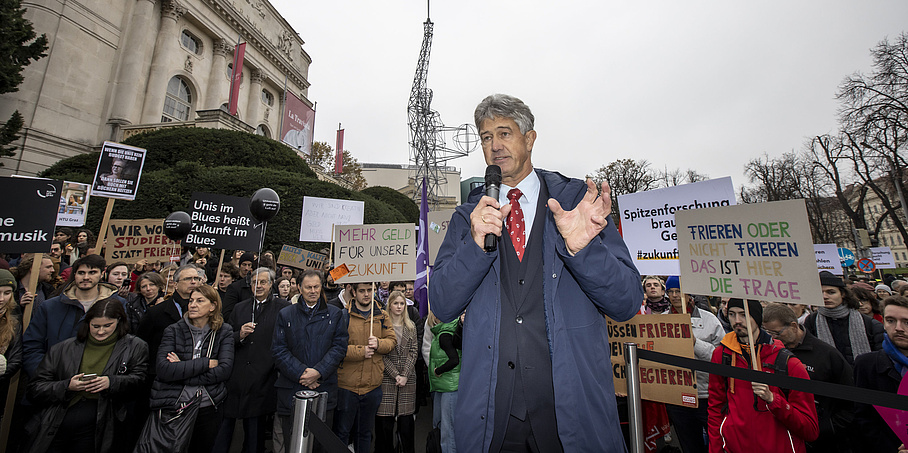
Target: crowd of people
111	348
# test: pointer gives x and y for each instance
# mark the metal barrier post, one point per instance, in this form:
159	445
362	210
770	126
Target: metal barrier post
635	412
304	401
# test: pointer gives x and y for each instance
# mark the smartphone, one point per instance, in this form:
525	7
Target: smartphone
126	283
88	377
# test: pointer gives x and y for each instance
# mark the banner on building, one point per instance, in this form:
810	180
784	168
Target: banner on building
374	253
298	124
753	251
222	222
119	170
882	257
648	220
236	78
669	334
131	241
319	214
827	258
339	152
299	258
28	214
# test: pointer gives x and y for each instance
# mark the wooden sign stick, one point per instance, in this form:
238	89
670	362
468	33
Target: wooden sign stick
220	264
683	300
754	356
102	235
331	252
372	310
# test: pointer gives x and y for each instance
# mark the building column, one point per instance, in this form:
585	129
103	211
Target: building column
255	97
166	44
131	79
218	85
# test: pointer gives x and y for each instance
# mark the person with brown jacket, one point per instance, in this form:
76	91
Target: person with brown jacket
359	376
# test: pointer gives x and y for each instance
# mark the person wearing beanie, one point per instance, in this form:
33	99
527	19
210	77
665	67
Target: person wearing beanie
10	331
882	291
751	416
839	323
690	422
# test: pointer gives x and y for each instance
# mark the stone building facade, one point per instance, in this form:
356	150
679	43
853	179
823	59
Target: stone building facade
116	68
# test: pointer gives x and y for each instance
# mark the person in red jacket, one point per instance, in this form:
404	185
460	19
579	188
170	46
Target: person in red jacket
750	416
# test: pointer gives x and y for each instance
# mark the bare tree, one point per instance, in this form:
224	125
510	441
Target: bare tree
677	177
323	156
625	176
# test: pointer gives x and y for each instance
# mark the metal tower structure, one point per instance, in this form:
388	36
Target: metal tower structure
428	152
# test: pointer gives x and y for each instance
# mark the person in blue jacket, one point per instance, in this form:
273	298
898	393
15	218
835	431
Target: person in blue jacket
536	373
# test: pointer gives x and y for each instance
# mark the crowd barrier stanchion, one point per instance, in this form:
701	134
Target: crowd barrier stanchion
305	403
634	409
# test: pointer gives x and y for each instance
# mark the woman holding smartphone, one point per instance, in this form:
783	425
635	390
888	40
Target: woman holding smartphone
195	360
84	383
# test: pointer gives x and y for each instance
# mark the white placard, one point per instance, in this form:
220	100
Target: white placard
648	220
828	258
319	214
882	257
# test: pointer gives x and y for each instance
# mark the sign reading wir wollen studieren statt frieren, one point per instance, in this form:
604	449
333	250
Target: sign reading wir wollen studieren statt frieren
761	251
119	170
131	241
222	222
375	253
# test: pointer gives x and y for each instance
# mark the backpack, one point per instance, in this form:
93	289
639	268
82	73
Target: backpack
779	366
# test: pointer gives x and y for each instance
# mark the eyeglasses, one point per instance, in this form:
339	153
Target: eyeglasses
776	334
191	279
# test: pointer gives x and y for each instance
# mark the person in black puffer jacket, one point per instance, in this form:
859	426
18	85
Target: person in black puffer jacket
185	367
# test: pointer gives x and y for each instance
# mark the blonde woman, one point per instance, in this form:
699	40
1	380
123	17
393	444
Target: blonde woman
398	383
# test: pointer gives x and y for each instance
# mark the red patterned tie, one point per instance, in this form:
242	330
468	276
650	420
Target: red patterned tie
515	223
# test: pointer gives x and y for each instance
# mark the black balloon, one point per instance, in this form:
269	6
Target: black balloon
264	205
177	225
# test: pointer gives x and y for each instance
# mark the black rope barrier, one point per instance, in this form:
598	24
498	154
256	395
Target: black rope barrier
323	434
842	392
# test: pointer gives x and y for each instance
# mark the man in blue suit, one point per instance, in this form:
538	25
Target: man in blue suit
536	374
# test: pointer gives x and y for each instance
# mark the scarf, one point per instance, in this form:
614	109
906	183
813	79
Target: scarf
857	334
894	353
659	306
94	359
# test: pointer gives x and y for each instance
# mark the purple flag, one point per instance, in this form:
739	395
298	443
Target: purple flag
421	286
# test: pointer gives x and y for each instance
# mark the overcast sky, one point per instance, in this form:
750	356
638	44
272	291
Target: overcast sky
706	85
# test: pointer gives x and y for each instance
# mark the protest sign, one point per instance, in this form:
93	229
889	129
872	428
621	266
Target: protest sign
882	257
827	258
375	253
754	251
223	222
669	334
438	228
134	240
319	214
73	204
28	214
119	170
298	258
648	220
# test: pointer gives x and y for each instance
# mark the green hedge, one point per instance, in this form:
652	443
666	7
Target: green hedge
399	201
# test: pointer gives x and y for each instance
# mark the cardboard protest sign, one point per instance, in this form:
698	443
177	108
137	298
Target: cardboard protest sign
827	258
73	204
134	240
300	258
119	170
882	257
648	220
755	251
319	214
28	214
223	222
669	334
375	253
438	228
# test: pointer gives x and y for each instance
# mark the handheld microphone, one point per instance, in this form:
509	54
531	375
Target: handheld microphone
493	186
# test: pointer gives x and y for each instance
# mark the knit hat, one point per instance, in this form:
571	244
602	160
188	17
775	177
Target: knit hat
753	306
829	279
248	256
673	282
6	279
884	287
